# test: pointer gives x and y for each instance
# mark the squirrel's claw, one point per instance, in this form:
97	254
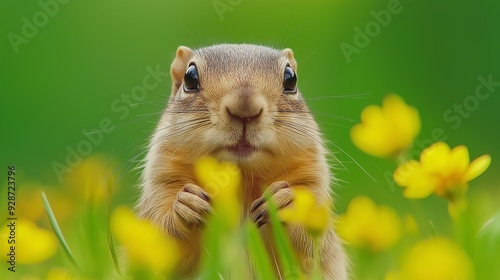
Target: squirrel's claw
282	195
192	205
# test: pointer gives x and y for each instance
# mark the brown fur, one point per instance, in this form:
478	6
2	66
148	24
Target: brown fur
246	80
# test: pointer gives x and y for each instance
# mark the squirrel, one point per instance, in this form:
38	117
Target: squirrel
238	103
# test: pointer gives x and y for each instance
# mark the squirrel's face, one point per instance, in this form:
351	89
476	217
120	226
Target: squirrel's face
238	103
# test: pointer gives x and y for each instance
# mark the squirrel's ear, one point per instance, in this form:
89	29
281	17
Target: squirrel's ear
178	67
289	55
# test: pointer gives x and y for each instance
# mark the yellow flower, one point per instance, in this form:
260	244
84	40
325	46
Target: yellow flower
391	275
441	170
89	179
307	212
32	207
218	178
388	130
222	180
436	259
32	244
145	244
366	224
410	225
59	273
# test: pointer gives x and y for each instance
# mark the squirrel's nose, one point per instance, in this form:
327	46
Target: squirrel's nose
244	116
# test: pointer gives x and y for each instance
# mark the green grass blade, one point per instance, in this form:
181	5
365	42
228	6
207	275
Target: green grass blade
258	253
111	244
486	249
213	236
283	245
432	228
57	231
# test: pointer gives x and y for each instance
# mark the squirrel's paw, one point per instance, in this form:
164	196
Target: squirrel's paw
191	206
281	194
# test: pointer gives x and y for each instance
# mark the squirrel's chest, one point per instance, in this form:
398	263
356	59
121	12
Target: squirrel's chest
253	186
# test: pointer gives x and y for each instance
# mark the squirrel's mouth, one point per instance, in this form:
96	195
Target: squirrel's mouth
242	149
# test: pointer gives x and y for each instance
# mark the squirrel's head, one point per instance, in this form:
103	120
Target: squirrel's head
238	103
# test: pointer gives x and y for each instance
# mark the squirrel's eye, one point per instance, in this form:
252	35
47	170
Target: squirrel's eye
191	81
290	80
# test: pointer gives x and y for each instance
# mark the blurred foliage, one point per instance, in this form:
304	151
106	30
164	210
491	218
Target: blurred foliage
74	79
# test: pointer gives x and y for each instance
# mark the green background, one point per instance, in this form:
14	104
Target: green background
90	53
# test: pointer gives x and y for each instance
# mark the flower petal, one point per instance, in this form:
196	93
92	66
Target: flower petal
217	178
388	130
405	172
386	230
318	221
422	185
157	252
393	102
459	159
372	115
408	126
477	167
418	192
287	215
436	158
404	119
37	244
366	224
373	134
441	258
361	206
